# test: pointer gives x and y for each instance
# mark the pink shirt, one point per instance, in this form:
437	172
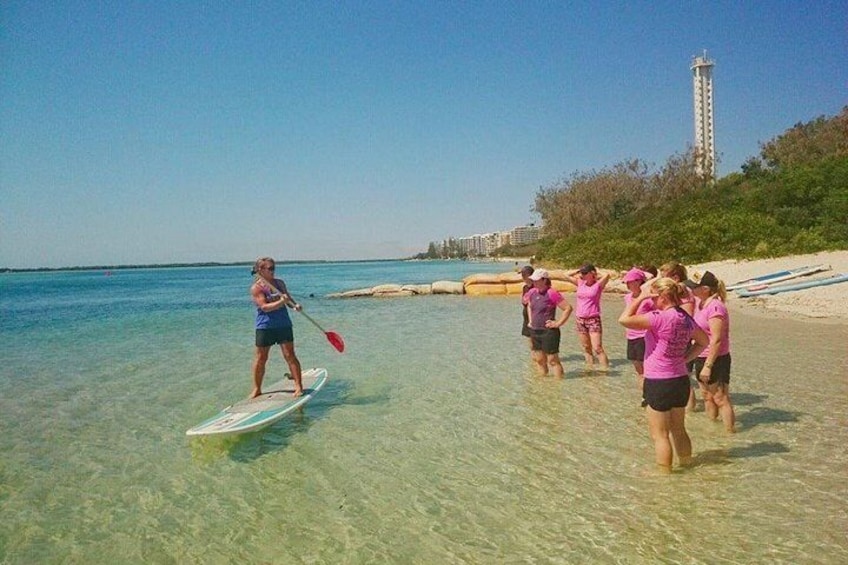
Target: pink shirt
666	343
715	308
588	300
645	307
689	298
542	306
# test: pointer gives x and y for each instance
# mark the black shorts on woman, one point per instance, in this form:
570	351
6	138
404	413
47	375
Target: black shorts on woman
664	394
546	340
720	372
273	336
636	349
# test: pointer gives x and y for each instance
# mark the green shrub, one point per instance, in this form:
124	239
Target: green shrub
798	203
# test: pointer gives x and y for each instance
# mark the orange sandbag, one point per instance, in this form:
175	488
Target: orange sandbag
491	289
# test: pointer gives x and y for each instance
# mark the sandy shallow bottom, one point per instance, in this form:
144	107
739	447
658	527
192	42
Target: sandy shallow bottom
433	441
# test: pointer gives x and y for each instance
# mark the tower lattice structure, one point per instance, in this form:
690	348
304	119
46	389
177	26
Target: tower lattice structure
702	83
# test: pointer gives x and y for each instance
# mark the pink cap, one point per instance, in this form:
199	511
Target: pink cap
634	274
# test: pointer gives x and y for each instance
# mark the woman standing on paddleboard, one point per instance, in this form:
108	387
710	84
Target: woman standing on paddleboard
672	339
273	324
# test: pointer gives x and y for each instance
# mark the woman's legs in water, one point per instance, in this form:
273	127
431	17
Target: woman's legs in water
555	365
659	424
586	344
717	402
679	438
540	360
668	433
596	340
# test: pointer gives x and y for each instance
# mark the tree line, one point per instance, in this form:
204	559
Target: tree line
791	198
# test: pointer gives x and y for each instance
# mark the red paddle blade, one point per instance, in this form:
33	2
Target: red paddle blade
336	341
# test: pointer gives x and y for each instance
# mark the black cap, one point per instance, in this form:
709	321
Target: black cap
708	279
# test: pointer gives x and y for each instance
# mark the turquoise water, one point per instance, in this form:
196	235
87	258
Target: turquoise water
432	443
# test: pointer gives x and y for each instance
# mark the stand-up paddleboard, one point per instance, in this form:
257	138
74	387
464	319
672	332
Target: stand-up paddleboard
777	289
256	413
779	276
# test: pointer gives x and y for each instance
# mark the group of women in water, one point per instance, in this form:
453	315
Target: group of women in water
675	326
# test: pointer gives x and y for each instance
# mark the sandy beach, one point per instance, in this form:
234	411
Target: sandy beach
824	303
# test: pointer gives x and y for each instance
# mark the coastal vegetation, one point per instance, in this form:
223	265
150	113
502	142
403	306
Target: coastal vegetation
790	199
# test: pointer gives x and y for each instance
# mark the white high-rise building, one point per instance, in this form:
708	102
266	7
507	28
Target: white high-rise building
522	235
702	77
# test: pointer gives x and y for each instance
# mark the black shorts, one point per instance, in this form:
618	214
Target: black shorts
546	340
636	349
525	331
720	372
267	338
664	394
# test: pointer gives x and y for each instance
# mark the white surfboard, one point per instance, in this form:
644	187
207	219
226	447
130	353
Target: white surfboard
256	413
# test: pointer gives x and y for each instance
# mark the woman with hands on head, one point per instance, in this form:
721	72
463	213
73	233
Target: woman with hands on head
588	313
672	339
677	272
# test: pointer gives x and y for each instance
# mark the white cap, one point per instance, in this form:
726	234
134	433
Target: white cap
539	274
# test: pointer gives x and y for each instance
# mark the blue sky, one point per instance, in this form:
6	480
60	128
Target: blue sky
154	132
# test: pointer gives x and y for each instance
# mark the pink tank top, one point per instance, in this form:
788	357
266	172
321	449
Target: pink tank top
588	300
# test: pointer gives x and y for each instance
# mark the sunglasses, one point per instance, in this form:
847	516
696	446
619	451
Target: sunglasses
268	269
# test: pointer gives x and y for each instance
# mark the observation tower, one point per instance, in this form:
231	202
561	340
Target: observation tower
702	83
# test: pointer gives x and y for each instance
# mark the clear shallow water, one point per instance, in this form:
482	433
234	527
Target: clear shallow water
433	442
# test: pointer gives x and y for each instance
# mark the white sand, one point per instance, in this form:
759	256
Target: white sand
826	302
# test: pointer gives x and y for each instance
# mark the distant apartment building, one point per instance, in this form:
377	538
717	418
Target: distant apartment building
523	235
486	244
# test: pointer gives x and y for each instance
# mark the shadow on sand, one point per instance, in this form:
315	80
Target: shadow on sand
575	367
747	398
763	415
725	456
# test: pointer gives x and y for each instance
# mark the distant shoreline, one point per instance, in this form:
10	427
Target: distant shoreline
120	267
242	264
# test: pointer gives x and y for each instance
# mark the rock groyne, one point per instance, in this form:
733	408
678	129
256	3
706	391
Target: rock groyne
483	284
